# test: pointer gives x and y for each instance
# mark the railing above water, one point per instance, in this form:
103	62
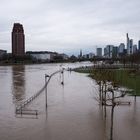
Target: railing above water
20	109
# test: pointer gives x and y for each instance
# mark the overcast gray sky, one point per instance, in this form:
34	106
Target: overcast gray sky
70	25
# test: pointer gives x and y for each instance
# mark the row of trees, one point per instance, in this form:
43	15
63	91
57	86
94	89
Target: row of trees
131	59
108	93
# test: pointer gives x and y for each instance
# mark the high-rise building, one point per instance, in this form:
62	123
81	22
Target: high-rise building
134	49
81	54
99	52
108	51
131	46
115	52
121	48
91	55
139	45
18	40
127	44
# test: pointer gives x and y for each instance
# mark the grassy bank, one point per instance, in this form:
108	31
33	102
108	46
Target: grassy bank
122	77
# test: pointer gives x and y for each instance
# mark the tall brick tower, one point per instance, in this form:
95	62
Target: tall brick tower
18	40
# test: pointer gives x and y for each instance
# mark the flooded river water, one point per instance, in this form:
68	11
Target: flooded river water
72	113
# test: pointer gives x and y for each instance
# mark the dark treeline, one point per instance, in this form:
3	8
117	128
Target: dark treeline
126	59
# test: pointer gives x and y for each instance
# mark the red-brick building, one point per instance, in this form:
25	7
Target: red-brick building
18	40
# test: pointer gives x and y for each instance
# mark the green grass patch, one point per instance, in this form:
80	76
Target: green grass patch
122	77
84	70
129	79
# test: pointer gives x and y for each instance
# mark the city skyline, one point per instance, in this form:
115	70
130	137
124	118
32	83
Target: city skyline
68	26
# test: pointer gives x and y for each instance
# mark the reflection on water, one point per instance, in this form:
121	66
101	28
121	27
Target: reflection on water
18	77
108	129
111	127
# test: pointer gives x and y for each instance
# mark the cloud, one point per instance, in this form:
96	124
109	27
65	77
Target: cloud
60	25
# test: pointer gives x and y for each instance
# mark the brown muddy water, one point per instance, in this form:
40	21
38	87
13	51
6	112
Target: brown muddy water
72	113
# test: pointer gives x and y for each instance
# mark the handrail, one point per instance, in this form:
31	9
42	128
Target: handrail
29	100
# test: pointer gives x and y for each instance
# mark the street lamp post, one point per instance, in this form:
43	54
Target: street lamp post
62	72
46	80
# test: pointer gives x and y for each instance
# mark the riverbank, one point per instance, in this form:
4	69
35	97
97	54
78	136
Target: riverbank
36	63
129	78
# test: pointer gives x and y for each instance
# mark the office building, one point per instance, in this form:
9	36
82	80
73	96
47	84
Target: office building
139	45
18	40
80	54
42	55
127	44
131	46
134	49
115	52
2	53
99	52
121	48
108	51
91	55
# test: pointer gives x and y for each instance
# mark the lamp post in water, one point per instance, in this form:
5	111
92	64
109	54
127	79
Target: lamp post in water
46	80
62	72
